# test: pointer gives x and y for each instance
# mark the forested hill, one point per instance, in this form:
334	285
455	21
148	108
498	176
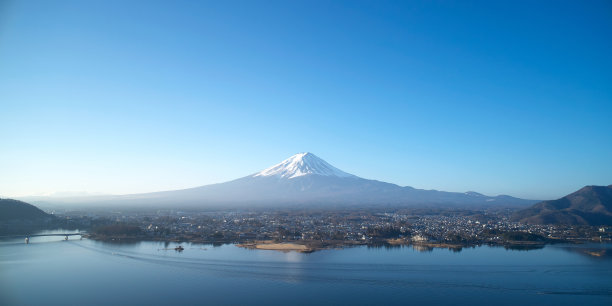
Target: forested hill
12	210
591	205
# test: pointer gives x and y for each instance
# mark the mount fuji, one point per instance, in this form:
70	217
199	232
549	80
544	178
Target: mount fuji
302	180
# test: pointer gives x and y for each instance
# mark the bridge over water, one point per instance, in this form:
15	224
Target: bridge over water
28	236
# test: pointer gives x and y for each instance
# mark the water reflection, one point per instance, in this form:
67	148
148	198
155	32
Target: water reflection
524	247
422	248
456	250
294	257
593	250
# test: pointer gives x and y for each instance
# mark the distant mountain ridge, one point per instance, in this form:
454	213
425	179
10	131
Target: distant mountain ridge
303	180
591	205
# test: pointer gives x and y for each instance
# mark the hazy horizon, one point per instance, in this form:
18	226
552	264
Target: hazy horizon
472	96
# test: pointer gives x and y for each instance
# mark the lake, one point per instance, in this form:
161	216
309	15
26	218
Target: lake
50	271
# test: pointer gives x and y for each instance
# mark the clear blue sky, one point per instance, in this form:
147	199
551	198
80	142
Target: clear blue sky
500	97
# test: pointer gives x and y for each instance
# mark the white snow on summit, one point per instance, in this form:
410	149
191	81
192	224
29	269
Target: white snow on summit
302	164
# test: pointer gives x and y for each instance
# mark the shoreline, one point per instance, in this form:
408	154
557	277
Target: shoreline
310	246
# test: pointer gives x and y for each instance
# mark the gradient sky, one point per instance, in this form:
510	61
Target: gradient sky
499	97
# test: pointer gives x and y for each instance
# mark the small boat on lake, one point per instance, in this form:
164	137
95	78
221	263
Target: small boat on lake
179	248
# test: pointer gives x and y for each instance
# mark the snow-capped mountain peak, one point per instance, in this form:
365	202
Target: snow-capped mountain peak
302	164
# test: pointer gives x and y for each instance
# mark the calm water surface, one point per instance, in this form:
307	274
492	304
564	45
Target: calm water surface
50	271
